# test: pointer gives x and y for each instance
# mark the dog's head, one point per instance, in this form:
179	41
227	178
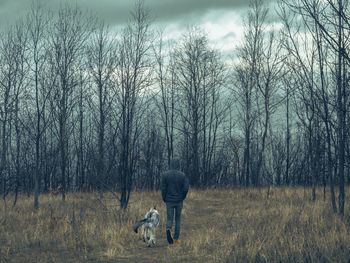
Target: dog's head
153	209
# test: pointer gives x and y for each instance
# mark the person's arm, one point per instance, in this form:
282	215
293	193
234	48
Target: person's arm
186	186
163	187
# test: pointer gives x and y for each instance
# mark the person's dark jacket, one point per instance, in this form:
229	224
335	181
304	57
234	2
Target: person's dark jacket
174	184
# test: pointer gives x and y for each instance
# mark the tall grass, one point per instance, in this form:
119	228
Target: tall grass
236	225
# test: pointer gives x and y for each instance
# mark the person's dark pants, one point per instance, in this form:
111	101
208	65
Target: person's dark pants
171	209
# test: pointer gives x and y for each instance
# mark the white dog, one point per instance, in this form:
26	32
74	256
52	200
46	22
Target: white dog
148	225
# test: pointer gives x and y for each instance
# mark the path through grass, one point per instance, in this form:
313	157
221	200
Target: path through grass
237	225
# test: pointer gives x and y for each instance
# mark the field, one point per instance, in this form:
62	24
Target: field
235	225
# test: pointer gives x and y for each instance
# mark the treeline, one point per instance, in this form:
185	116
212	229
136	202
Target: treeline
85	108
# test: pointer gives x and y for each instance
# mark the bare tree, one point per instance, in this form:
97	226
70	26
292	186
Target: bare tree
247	70
200	77
166	78
268	79
134	77
37	23
102	65
12	81
326	21
67	40
21	70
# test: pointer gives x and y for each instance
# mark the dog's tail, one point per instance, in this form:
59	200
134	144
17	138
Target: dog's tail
136	226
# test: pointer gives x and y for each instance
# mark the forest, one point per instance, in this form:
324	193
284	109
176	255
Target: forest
88	107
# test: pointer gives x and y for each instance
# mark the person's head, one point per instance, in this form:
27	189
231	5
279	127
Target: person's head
174	164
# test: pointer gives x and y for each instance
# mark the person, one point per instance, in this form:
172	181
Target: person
174	187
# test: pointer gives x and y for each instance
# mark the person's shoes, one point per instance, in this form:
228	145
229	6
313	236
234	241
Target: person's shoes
177	242
169	237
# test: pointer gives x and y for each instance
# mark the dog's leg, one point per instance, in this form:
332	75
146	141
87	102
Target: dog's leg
145	235
152	239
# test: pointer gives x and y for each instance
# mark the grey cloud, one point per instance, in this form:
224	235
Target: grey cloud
10	11
117	11
181	11
170	9
229	35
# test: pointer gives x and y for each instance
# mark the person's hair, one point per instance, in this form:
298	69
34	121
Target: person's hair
174	164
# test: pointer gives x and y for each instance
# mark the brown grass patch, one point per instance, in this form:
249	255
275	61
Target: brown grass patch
237	225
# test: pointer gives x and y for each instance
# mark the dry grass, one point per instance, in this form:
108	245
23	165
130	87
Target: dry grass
238	225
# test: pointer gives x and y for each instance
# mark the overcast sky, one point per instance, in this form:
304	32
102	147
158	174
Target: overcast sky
221	19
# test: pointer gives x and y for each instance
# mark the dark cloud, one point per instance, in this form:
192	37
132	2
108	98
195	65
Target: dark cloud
173	10
229	35
117	11
12	10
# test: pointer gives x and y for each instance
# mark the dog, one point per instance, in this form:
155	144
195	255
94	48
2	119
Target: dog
148	226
